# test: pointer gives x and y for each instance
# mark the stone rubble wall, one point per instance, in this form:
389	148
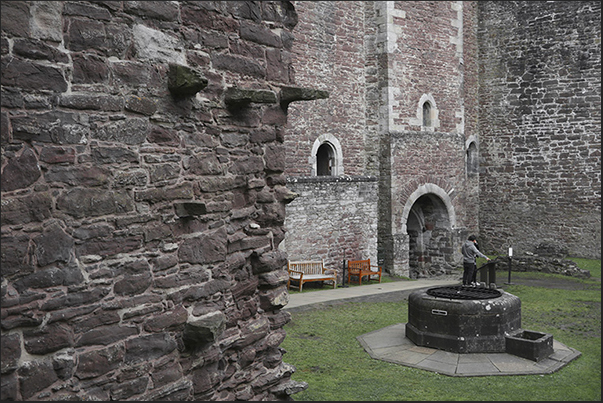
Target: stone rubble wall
142	203
332	218
540	122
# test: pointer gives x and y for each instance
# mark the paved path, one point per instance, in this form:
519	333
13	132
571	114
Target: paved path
391	344
367	292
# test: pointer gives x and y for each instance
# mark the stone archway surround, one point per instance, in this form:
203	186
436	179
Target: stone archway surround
405	202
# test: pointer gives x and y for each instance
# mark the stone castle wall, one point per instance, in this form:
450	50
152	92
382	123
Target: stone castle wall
143	201
149	165
379	61
540	123
332	218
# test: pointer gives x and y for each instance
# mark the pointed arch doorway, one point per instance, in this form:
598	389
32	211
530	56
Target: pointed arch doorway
429	220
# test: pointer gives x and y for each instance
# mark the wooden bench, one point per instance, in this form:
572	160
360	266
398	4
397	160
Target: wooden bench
362	268
309	270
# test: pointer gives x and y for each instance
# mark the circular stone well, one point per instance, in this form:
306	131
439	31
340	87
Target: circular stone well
462	319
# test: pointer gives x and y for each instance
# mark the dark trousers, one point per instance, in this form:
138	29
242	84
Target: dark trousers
469	273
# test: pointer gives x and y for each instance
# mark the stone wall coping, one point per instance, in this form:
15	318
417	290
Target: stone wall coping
335	179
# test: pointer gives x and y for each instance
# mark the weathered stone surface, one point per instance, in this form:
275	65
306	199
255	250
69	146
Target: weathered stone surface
34	376
132	285
54	245
21	171
93	102
260	34
52	127
9	386
187	209
154	195
148	347
94	202
32	76
10	352
87	10
141	105
105	335
204	329
88	69
252	331
124	390
92	364
273	299
85	176
273	260
47	340
206	248
57	155
15	18
161	11
107	155
128	207
86	34
49	277
184	81
130	131
16	257
38	50
241	96
275	157
291	94
206	378
109	246
173	318
23	210
238	64
163	136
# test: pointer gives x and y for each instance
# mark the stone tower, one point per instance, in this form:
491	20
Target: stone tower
444	119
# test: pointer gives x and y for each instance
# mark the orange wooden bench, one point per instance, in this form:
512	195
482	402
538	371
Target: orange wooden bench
309	270
362	268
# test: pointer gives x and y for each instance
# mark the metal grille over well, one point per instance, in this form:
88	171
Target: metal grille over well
463	292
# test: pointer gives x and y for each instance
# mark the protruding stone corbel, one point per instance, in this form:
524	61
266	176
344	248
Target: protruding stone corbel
235	96
189	209
204	329
291	94
184	81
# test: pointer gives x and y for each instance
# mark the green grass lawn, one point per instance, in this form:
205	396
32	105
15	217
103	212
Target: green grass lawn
322	345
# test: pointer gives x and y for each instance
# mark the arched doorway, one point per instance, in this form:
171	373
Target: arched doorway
430	237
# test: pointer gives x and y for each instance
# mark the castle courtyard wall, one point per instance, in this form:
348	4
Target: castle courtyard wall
143	200
540	124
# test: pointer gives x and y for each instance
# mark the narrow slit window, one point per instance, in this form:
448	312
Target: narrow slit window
426	114
472	159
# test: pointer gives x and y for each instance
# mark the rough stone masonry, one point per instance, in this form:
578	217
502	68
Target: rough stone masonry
149	151
143	200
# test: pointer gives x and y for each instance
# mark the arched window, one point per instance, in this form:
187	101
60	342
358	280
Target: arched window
426	114
325	160
472	159
326	156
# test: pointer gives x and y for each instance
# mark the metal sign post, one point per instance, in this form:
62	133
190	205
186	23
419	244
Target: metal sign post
343	285
510	257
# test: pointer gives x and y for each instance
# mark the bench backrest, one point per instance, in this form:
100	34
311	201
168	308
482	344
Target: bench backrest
359	264
307	266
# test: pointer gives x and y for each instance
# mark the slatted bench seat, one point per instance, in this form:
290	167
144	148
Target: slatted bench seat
363	268
309	270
